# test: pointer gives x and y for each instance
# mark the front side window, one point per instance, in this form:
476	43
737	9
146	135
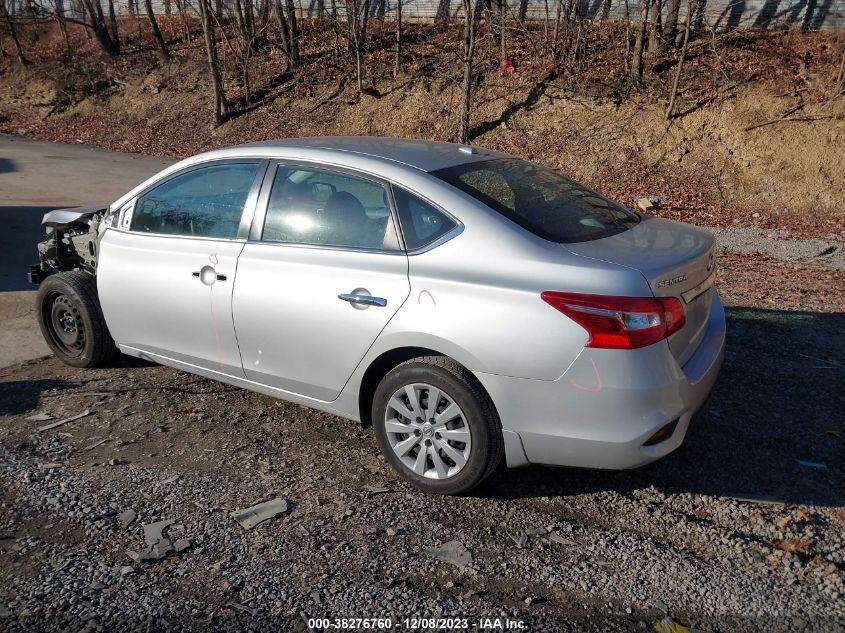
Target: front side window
421	222
541	200
328	208
204	202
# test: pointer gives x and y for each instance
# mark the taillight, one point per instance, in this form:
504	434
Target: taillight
620	322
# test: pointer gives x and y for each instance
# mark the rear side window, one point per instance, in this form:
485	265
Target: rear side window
541	200
204	202
421	223
328	208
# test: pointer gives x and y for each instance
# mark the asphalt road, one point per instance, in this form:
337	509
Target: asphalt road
36	177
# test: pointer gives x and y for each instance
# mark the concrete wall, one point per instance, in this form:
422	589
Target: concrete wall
824	14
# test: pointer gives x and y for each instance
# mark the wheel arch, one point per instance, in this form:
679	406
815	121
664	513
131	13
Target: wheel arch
386	361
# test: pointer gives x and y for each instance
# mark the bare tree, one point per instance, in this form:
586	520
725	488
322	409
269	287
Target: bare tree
639	44
293	33
444	12
151	16
115	34
670	30
397	67
358	39
683	55
469	7
59	8
97	23
655	31
10	24
286	18
183	18
221	105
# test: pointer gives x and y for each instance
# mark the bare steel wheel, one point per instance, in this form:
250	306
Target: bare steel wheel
436	425
427	430
71	320
65	326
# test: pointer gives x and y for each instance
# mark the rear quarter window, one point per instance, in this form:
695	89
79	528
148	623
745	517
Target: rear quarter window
540	200
422	223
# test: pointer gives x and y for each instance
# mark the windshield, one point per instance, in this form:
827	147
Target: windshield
541	200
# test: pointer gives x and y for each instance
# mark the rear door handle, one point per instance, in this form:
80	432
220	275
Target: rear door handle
363	300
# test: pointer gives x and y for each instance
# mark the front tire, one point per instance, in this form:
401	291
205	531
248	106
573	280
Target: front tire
72	321
436	425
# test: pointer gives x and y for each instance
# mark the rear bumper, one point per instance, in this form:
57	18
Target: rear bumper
602	410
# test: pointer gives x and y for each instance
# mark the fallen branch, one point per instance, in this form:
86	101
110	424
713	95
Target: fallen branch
782	117
53	425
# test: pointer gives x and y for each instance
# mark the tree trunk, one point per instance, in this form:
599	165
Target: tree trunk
523	10
221	106
361	10
60	19
284	31
97	23
503	6
655	33
639	45
397	68
468	49
698	15
263	15
183	18
670	30
557	28
168	9
807	23
13	33
443	14
674	95
162	47
115	35
627	35
293	33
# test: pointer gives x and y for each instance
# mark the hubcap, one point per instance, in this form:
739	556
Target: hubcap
428	431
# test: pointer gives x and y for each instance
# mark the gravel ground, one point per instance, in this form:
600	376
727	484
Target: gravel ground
781	244
729	533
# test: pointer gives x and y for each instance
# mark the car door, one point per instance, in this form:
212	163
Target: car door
167	265
320	277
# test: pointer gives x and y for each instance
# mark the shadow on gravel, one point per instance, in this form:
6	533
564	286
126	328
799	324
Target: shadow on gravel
22	396
780	398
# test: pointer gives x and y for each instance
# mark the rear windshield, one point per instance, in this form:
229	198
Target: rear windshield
540	199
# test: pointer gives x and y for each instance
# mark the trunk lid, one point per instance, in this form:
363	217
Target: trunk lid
676	259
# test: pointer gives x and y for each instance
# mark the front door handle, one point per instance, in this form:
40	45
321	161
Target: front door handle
363	300
208	275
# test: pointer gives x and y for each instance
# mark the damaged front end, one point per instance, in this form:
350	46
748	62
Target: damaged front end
70	243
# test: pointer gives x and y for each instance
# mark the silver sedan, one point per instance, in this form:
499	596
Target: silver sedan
472	306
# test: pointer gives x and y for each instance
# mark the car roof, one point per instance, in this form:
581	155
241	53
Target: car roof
425	155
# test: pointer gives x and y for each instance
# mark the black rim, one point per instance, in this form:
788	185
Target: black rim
64	324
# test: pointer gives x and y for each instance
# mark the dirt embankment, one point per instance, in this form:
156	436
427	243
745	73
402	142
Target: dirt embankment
707	165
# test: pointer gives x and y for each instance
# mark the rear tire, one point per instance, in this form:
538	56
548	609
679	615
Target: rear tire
72	321
445	447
